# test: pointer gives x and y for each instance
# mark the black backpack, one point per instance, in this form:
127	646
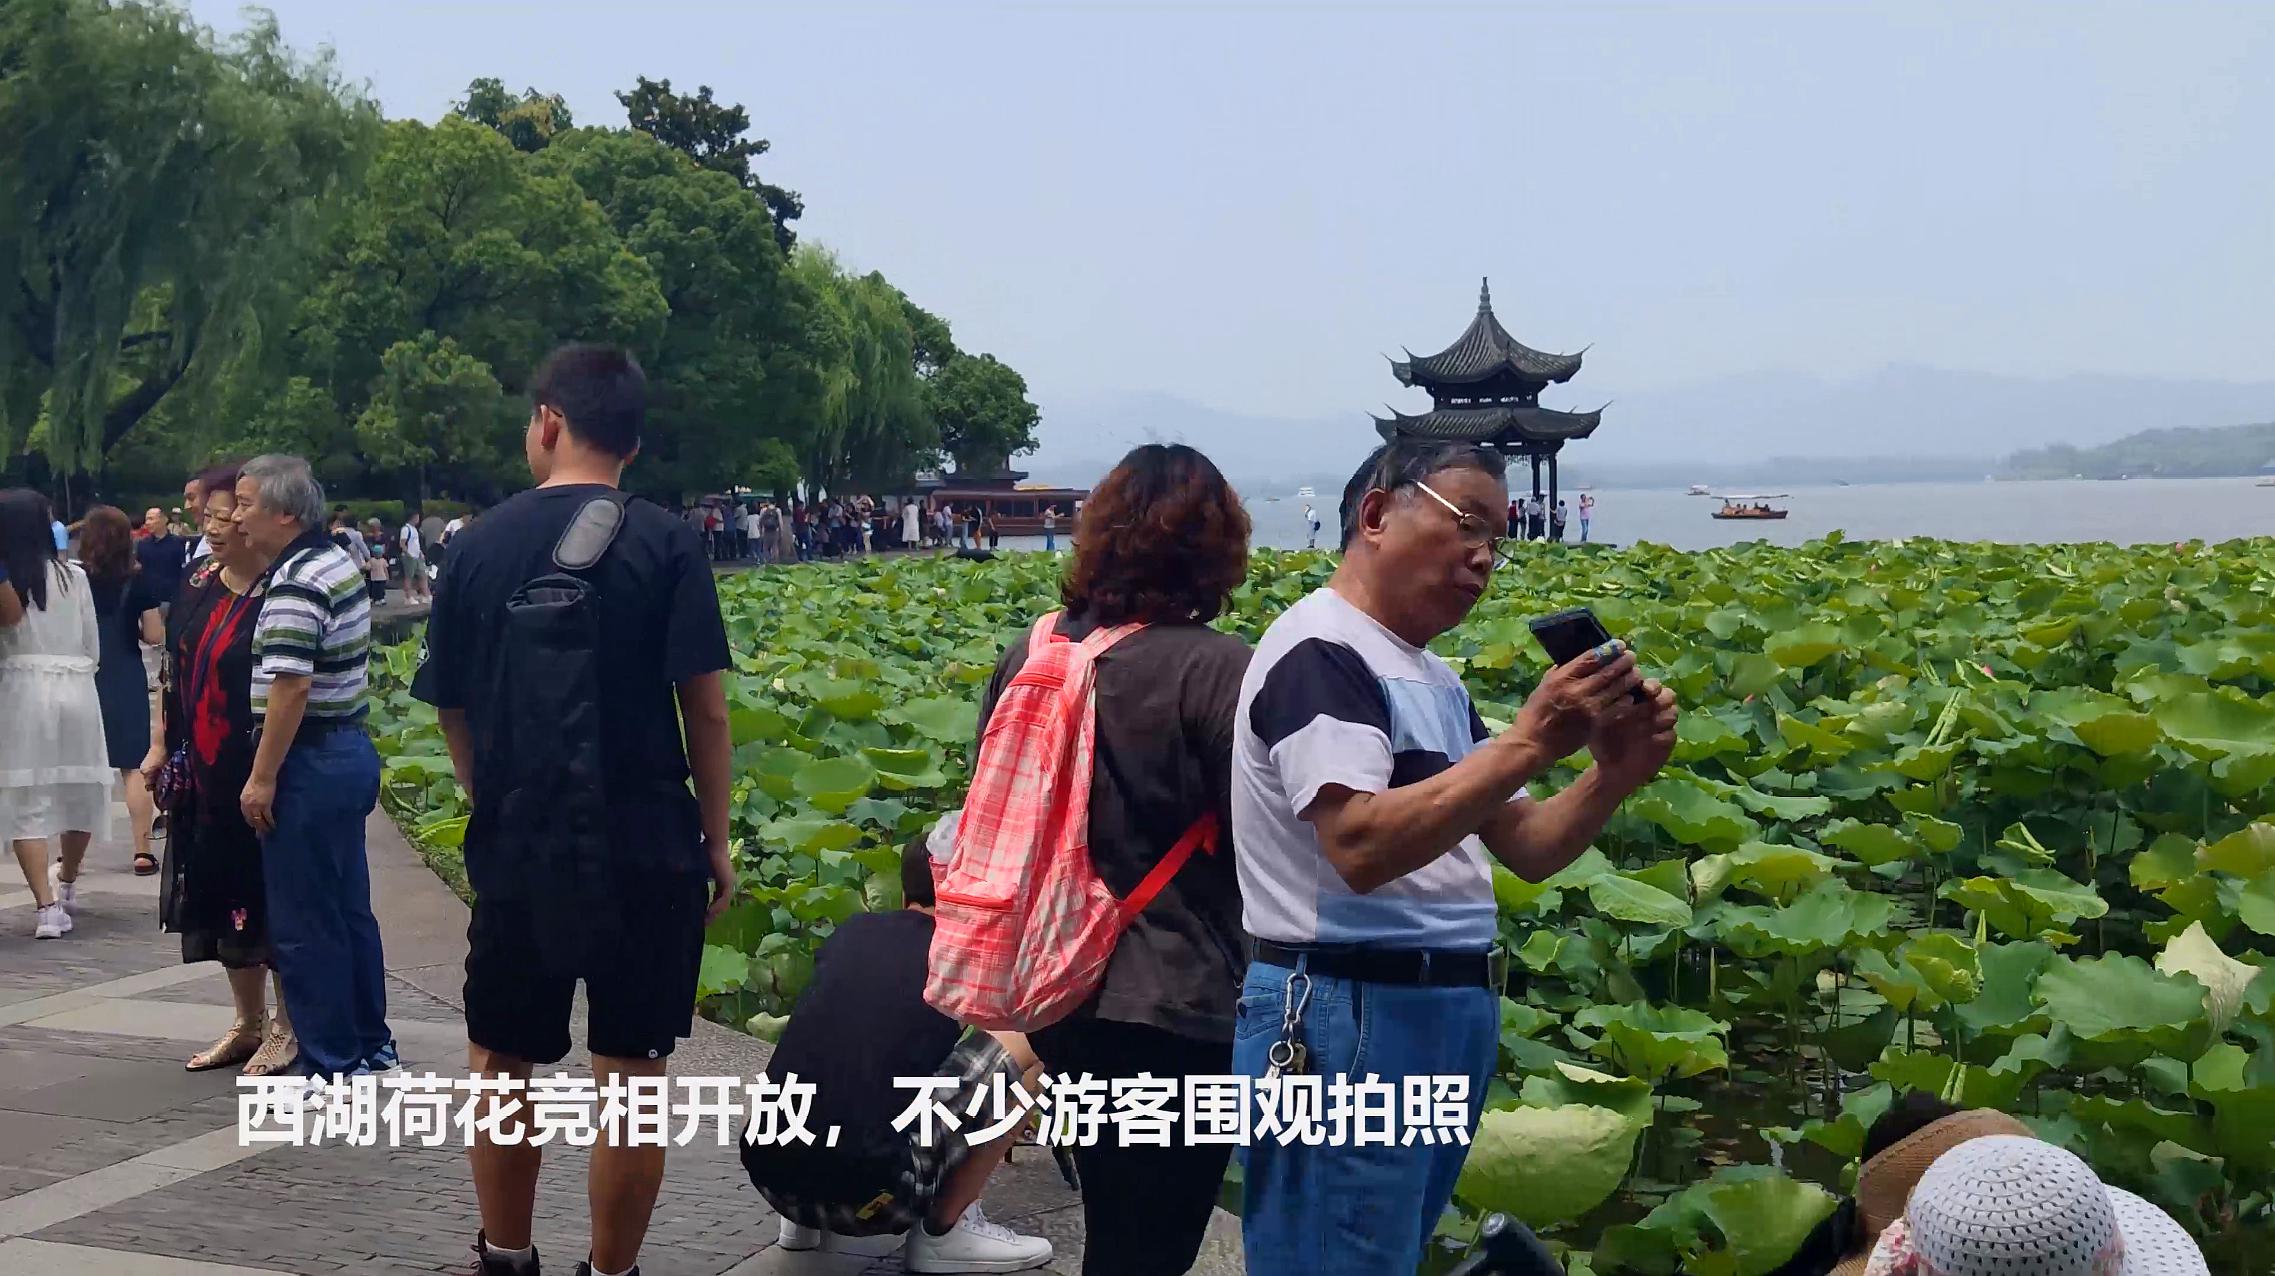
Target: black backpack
550	773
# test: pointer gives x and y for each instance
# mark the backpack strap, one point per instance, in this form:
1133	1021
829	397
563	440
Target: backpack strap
1201	837
586	539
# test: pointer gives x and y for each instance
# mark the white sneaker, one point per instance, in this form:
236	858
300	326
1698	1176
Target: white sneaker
67	894
974	1245
795	1237
54	922
798	1239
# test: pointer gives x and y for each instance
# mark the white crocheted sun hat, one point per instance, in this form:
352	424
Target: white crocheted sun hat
2010	1206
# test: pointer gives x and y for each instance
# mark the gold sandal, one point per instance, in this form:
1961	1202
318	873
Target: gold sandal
242	1042
276	1054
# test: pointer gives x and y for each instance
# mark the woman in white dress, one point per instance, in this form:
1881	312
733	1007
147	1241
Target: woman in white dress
55	776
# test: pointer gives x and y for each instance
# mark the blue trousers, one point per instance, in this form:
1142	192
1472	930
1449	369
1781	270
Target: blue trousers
1357	1211
322	936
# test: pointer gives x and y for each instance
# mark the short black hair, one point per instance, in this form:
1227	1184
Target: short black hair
1907	1116
916	873
599	390
1405	462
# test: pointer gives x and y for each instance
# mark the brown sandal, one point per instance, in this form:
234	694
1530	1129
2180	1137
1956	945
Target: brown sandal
145	864
242	1042
277	1052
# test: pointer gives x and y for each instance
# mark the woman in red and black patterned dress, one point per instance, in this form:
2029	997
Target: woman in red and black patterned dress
214	897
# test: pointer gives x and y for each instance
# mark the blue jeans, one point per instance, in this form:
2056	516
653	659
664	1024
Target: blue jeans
1050	541
322	936
1357	1211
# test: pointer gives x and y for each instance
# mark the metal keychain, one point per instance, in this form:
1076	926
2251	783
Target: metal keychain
1289	1056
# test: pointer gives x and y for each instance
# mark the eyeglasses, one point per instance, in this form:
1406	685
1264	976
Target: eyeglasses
1476	533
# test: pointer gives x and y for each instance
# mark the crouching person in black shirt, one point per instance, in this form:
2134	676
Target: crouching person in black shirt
860	1024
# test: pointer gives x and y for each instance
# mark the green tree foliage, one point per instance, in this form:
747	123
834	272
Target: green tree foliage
869	424
156	190
714	135
2176	453
727	374
435	407
530	122
981	407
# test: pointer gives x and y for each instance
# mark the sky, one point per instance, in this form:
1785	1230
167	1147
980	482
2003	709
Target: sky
1249	205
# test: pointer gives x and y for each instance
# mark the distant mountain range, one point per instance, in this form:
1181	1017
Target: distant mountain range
1897	423
2179	453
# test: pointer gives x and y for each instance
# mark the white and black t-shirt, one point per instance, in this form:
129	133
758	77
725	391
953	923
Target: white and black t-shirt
1332	697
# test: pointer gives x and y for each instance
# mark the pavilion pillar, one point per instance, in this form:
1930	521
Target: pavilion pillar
1552	497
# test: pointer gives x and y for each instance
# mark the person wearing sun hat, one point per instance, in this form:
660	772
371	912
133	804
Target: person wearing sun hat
1898	1148
2008	1206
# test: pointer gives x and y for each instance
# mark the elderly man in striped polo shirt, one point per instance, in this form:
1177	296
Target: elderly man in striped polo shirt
315	775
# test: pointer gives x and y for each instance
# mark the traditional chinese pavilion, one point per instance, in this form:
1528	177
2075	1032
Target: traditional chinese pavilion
1485	388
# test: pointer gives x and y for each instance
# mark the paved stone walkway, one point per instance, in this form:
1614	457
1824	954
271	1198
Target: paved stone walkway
115	1161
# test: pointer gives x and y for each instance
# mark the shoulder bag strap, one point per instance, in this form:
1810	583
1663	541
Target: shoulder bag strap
1202	836
587	538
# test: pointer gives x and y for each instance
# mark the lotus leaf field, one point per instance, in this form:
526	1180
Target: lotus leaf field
1971	819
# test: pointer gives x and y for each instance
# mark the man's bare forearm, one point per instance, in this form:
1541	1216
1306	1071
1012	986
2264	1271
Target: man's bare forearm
710	752
1374	839
461	744
1537	839
288	703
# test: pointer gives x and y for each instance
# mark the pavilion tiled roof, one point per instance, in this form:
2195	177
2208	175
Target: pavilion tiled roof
1484	351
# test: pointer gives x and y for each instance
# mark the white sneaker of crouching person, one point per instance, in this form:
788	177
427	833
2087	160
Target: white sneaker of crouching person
973	1245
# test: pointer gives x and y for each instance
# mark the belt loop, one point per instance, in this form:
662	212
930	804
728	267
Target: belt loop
1425	965
1303	963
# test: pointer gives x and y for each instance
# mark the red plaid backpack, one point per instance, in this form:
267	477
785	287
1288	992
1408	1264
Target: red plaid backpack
1023	925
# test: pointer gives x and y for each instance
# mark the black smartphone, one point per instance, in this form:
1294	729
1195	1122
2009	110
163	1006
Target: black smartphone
1569	635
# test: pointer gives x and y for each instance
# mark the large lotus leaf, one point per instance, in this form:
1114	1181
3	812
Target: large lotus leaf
2103	723
2192	952
2241	1120
1804	645
1813	738
1692	815
1926	761
723	970
1516	895
749	724
2247	852
1788	807
1762	1216
2006	1006
1709	877
1751	674
1967	1085
809	834
777	772
944	721
2123	1001
1949	965
2236	653
1567	1084
2255	904
1658	1042
1632	901
2228	729
2032	904
845	700
1699	736
1843	1136
833	784
1747	1220
1871	844
2168	861
2033	1054
1778	871
1902	986
1546	1165
1940	837
2160	1124
1591	865
1826	917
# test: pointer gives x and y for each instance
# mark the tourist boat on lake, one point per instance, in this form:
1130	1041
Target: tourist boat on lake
1750	507
1017	506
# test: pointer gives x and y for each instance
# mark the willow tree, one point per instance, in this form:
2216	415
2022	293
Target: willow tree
158	190
870	425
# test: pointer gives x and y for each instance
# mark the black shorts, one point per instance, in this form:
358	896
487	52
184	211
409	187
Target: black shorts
641	996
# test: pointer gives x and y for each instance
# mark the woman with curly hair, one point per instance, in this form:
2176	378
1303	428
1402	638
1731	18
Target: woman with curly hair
1163	542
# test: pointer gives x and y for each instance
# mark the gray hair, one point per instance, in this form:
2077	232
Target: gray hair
285	485
1404	462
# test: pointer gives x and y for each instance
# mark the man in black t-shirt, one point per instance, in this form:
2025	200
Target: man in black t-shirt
860	1024
661	647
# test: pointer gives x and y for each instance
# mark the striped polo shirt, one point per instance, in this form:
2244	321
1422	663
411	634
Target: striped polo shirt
1334	698
315	623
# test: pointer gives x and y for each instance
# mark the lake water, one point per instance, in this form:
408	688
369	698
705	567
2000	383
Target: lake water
2132	511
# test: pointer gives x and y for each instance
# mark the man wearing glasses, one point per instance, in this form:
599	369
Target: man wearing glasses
1369	803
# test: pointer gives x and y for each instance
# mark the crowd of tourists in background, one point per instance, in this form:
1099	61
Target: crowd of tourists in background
758	529
1258	862
1533	518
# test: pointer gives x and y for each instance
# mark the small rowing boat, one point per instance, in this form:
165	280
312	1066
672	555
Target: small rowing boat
1750	507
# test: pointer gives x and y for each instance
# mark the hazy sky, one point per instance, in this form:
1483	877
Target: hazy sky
1248	205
